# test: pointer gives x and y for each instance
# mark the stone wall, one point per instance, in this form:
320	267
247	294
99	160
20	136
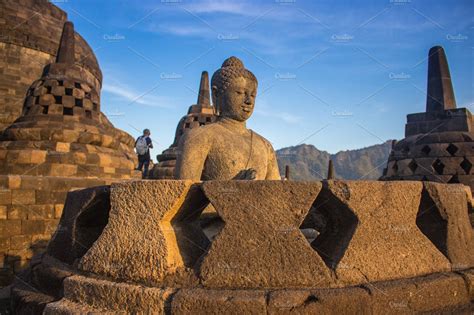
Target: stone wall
30	208
277	247
19	67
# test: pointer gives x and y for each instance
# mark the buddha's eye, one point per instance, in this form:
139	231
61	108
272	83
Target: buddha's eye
239	92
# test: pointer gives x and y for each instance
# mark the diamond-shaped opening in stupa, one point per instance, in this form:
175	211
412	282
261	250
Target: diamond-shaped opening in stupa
426	150
466	166
91	221
431	223
192	239
438	166
452	149
210	222
329	227
413	166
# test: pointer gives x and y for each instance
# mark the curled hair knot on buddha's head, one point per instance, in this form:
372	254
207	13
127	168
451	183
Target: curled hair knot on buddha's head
231	69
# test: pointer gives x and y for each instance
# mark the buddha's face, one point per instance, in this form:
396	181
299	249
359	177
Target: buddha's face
238	100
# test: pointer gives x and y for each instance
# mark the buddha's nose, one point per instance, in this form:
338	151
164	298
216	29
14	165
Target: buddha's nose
248	101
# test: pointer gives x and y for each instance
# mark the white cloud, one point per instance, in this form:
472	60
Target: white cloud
182	30
222	6
133	97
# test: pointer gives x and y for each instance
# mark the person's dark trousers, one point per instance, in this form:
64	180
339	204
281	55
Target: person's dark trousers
144	162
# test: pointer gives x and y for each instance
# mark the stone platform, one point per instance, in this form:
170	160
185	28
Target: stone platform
451	292
383	247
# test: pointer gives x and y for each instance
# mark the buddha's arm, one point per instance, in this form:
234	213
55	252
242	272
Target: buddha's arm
193	149
273	172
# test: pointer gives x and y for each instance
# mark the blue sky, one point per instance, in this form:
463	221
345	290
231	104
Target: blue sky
336	74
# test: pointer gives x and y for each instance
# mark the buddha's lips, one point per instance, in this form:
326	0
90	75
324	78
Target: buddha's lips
247	109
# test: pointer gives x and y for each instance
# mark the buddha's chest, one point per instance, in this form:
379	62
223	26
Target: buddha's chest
231	154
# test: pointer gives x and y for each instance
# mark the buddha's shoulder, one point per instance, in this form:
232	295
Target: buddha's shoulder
203	132
263	139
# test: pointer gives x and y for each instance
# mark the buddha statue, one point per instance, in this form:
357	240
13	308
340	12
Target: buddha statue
227	149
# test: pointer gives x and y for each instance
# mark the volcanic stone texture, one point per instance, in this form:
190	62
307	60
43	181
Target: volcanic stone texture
436	293
102	294
142	240
371	231
443	217
268	250
386	214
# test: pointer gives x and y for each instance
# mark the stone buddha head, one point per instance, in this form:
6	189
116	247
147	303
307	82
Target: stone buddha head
234	89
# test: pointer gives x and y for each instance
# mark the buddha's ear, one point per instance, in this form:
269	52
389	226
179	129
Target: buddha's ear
215	99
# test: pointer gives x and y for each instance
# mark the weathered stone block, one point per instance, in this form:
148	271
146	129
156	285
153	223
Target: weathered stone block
14	182
3	212
103	294
50	226
87	104
468	276
5	196
386	228
66	307
34	182
10	227
62	169
46	100
63	147
37	156
272	251
18	212
30	227
20	241
78	112
23	197
68	101
41	90
58	90
4	246
55	109
202	301
145	234
351	300
427	294
78	93
40	212
444	219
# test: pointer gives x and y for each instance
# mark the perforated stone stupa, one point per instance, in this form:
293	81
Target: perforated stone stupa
199	114
62	131
30	32
439	143
60	142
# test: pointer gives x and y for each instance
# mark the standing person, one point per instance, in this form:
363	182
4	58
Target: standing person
143	145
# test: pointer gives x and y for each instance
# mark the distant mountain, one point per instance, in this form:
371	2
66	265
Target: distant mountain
308	163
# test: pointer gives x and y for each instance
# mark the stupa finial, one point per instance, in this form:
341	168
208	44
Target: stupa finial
67	45
330	170
440	89
204	96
